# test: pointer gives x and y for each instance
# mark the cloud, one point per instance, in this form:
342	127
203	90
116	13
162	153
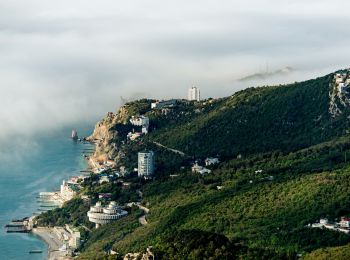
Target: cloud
67	62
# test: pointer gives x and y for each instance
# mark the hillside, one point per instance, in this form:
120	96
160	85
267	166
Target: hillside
283	118
284	163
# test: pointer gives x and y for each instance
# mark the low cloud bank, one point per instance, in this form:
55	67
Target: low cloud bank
64	63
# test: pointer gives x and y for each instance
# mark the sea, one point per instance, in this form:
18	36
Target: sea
28	166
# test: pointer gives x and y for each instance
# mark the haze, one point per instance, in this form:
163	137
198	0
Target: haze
66	62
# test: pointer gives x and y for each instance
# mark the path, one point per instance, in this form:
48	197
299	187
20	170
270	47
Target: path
143	220
169	149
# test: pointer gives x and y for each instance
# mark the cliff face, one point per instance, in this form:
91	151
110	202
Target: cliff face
105	134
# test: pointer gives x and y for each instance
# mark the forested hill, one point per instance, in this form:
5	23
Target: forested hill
293	170
284	118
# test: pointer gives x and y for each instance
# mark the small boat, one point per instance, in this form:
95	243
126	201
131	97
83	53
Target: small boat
35	251
74	134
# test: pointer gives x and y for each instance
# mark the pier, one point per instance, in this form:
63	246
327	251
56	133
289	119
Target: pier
24	225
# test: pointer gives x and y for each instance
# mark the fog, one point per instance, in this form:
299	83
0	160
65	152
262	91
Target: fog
68	62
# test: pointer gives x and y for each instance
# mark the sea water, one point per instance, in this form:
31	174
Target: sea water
27	167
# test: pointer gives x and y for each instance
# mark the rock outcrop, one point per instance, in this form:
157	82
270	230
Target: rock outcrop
339	94
105	135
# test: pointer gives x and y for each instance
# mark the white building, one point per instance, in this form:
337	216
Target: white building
140	121
194	94
67	191
68	235
145	164
200	169
211	161
104	215
133	136
342	226
344	222
164	104
74	241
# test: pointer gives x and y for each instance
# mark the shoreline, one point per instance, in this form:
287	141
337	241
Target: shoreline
51	240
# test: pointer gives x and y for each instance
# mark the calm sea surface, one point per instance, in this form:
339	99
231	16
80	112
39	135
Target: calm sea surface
40	165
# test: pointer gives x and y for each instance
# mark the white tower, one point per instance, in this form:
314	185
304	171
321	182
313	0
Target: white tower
145	164
194	94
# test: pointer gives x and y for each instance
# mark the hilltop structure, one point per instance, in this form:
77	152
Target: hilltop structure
164	104
142	121
194	94
146	164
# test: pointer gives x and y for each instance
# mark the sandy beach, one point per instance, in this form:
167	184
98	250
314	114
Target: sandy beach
53	242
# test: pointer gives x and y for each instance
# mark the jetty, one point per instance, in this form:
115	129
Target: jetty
35	251
24	225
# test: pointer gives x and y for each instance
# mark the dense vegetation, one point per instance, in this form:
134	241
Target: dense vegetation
284	165
283	118
71	213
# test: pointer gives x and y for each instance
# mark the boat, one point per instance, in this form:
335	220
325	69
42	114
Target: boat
74	134
35	251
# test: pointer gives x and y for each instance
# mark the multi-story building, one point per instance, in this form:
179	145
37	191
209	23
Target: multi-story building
194	94
142	121
139	121
74	240
145	164
103	215
67	191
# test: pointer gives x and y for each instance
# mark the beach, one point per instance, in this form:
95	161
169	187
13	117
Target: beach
53	242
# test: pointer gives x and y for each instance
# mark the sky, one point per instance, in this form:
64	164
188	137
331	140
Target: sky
65	62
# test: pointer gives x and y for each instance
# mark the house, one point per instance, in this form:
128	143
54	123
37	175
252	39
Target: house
200	169
142	121
139	121
133	136
344	222
164	104
211	161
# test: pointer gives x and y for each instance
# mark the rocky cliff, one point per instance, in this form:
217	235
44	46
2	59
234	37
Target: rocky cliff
105	134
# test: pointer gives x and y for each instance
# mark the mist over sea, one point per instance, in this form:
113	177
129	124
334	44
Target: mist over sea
28	166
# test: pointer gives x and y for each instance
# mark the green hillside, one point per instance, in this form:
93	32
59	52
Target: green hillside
283	118
293	169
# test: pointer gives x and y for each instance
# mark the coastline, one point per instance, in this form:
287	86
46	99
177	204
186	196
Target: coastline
49	236
54	244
